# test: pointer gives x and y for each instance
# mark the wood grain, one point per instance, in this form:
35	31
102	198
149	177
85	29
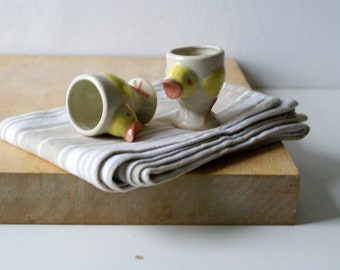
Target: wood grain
253	187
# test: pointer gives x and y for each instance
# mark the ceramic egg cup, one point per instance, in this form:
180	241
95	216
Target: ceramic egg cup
104	103
194	78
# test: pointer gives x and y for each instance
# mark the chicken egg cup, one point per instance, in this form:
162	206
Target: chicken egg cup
104	103
194	77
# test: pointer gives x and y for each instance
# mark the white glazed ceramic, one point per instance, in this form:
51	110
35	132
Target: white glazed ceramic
104	103
194	77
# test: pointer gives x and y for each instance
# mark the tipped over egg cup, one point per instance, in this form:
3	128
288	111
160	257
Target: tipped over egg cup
104	103
194	77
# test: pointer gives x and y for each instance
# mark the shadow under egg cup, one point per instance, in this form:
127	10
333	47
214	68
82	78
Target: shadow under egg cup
103	103
194	77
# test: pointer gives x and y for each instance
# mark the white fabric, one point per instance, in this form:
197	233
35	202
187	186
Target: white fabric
160	152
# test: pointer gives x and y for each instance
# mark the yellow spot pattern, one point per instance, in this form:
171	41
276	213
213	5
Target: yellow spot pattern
122	118
186	77
120	85
213	82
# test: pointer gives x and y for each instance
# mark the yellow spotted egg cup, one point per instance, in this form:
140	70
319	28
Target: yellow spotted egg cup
104	103
194	77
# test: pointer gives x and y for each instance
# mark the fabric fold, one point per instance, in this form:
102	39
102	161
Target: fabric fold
160	152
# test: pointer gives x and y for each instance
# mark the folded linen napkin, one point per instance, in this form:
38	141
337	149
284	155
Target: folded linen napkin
160	152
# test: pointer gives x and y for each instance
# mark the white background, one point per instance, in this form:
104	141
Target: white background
279	44
293	43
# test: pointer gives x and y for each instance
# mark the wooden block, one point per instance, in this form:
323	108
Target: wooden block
254	187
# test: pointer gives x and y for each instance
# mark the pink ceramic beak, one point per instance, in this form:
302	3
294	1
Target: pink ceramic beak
172	88
133	129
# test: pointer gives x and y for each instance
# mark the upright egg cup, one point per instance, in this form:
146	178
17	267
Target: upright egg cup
104	103
194	77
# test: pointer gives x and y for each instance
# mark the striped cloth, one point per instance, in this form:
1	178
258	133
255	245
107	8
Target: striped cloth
160	152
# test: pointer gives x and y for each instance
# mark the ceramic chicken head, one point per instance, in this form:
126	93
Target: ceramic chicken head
194	78
104	103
